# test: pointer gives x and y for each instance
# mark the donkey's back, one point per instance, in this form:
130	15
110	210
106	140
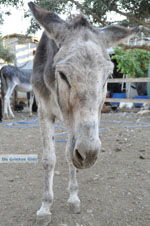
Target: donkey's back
13	73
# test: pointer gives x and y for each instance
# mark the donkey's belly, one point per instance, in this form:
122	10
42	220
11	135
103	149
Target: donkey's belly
24	87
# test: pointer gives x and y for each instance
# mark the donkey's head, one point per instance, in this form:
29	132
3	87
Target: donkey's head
82	67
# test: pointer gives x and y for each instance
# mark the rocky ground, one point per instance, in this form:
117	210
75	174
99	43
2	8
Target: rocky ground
114	192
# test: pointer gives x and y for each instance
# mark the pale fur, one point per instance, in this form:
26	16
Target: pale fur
70	75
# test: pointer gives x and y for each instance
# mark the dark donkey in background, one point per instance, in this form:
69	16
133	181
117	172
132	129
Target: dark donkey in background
14	78
70	73
1	114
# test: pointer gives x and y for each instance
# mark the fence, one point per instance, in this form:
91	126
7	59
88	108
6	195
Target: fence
128	80
118	80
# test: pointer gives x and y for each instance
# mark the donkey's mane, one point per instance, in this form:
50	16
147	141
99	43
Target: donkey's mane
79	21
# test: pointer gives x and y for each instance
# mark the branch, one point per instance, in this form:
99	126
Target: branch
135	47
132	17
98	19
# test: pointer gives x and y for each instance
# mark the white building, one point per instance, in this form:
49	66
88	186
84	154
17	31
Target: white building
23	47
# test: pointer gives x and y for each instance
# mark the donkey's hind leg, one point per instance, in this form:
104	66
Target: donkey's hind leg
7	107
74	201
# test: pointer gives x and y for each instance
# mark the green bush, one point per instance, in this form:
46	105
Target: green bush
132	62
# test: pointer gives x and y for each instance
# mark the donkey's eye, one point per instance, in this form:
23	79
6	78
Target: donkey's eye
64	77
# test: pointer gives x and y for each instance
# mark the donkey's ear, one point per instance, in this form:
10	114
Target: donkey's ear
113	35
51	22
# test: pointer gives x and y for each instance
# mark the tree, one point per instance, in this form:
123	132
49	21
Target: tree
136	11
15	3
5	53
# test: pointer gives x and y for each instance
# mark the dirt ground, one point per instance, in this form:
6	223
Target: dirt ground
114	192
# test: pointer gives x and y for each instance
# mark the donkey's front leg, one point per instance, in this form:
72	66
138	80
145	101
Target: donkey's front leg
31	103
74	201
49	160
10	110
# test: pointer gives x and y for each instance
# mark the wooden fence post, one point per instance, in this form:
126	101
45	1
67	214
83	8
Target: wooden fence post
148	84
130	80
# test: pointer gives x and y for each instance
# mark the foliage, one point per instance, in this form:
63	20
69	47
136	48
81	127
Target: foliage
132	62
135	11
139	8
5	53
12	2
1	19
58	6
7	3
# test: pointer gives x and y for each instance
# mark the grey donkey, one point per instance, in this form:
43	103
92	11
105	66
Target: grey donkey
14	78
70	73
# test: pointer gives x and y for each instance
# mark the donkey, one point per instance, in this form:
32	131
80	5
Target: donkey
134	89
69	79
12	78
1	115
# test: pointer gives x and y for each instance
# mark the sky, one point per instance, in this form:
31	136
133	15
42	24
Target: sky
16	23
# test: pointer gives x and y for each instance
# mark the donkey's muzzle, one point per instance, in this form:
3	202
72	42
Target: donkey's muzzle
84	156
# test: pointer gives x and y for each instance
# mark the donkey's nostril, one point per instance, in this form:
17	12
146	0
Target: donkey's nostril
79	156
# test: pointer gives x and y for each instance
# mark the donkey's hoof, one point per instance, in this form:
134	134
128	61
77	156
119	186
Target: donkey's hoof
12	116
43	220
5	117
74	206
43	217
43	212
